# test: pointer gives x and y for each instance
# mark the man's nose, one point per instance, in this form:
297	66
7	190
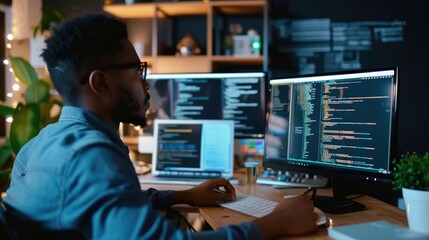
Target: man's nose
146	85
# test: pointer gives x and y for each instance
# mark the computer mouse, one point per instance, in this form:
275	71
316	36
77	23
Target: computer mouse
323	220
290	196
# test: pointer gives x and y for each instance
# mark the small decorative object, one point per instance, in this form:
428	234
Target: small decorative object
411	174
228	41
235	28
247	45
228	44
188	46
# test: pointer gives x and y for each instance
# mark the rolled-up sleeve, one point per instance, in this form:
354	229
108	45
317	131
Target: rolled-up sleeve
160	199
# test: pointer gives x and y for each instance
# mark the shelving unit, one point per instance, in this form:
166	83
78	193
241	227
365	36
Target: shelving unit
169	13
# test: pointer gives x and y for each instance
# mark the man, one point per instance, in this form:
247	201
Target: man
76	175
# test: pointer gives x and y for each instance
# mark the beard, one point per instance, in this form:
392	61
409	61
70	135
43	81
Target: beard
128	110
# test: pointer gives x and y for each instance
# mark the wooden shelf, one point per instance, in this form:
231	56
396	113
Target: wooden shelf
184	8
147	59
138	10
239	7
211	9
173	64
147	10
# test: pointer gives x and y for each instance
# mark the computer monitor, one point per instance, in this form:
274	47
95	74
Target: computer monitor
229	96
337	125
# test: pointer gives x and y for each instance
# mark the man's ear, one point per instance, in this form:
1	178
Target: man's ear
97	82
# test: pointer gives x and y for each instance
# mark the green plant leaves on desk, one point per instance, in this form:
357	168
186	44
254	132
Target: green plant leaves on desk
412	172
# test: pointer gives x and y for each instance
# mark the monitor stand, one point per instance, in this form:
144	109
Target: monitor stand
331	205
339	203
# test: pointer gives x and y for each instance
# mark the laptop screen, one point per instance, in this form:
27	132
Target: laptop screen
193	148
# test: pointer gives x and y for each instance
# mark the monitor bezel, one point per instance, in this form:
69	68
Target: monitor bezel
341	173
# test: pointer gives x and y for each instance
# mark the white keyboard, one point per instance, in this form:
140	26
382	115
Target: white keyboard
251	205
259	207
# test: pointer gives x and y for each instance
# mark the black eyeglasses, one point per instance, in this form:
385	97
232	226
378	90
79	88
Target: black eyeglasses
142	69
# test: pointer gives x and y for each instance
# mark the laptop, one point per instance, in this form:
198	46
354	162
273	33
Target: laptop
191	151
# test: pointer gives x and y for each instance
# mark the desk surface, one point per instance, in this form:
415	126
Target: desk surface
375	209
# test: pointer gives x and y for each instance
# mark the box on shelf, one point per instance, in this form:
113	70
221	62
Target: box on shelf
247	45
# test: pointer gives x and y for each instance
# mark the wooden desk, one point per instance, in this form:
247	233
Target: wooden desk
375	209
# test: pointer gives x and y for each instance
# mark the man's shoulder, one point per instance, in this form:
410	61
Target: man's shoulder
59	140
72	132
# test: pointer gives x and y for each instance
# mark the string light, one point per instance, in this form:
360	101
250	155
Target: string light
16	87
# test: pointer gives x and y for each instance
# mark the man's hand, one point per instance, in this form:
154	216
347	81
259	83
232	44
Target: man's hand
291	217
205	193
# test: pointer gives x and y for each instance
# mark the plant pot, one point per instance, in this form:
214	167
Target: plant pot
417	208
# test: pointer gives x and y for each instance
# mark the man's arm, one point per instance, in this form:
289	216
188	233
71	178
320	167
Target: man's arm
205	194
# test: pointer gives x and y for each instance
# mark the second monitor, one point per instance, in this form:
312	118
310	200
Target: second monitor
338	125
230	96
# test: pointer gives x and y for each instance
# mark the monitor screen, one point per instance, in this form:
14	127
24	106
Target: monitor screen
193	148
229	96
339	125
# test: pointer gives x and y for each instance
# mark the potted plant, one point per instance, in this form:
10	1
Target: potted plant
411	174
29	116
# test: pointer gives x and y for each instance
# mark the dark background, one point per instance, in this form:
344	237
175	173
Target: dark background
410	55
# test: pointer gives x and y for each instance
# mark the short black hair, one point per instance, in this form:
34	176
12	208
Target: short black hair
77	46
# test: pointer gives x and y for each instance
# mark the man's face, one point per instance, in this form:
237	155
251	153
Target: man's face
133	98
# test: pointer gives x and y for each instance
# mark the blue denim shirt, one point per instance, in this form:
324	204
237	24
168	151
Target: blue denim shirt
77	175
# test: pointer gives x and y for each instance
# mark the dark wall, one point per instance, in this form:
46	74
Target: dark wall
411	54
70	8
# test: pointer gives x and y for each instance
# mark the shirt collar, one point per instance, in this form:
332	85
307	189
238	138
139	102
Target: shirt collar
89	118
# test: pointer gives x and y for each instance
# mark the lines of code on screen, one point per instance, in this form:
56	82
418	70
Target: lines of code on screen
342	123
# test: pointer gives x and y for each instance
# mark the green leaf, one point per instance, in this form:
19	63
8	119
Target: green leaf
25	125
23	70
5	154
35	30
6	110
50	18
37	92
47	79
412	171
5	179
